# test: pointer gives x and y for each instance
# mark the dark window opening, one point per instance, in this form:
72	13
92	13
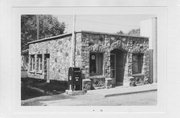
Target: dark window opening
137	63
32	62
96	63
46	63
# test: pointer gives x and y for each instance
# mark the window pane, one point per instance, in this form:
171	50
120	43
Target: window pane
39	62
137	62
96	63
92	63
140	62
32	62
99	63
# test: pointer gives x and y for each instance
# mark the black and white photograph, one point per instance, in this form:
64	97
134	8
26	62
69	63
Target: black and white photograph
88	60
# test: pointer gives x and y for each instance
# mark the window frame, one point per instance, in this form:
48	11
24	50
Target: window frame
32	63
102	70
139	63
39	63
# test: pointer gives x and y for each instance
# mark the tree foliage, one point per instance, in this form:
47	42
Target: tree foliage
134	32
28	29
48	26
120	32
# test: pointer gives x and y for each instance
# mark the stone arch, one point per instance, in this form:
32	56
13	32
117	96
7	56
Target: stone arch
119	45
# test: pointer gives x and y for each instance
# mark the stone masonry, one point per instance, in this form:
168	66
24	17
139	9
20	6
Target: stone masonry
105	43
85	43
59	51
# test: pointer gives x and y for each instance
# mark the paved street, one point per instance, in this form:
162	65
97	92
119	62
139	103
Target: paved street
147	98
140	95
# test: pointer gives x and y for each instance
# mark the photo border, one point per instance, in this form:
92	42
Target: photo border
14	89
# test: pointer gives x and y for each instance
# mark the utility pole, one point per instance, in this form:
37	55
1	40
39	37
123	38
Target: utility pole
72	60
37	23
73	43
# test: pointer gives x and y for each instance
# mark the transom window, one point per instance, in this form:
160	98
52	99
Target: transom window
96	63
137	63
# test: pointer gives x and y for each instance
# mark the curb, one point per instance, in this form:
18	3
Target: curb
126	93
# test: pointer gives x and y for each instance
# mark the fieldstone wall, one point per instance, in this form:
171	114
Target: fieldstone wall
104	43
59	50
78	50
139	45
85	56
87	42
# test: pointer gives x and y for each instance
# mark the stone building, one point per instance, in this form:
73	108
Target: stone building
101	57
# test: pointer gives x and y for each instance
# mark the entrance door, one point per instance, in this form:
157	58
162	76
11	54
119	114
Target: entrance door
113	68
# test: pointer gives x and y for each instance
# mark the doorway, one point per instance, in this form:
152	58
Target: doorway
117	66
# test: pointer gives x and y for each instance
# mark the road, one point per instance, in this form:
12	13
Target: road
146	98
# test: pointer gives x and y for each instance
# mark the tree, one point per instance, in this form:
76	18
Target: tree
48	26
28	29
134	32
120	32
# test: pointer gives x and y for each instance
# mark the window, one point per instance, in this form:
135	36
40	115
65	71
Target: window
39	63
32	63
137	62
96	63
46	65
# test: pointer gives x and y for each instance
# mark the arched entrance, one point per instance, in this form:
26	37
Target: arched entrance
117	66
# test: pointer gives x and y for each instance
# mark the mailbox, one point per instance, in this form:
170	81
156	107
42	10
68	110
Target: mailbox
74	78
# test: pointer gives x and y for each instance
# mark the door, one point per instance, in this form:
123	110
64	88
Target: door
120	68
113	68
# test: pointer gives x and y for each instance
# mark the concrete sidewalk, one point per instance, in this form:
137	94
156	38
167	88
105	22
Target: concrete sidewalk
147	96
142	95
121	90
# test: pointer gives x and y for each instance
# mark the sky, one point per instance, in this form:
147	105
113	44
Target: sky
103	23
